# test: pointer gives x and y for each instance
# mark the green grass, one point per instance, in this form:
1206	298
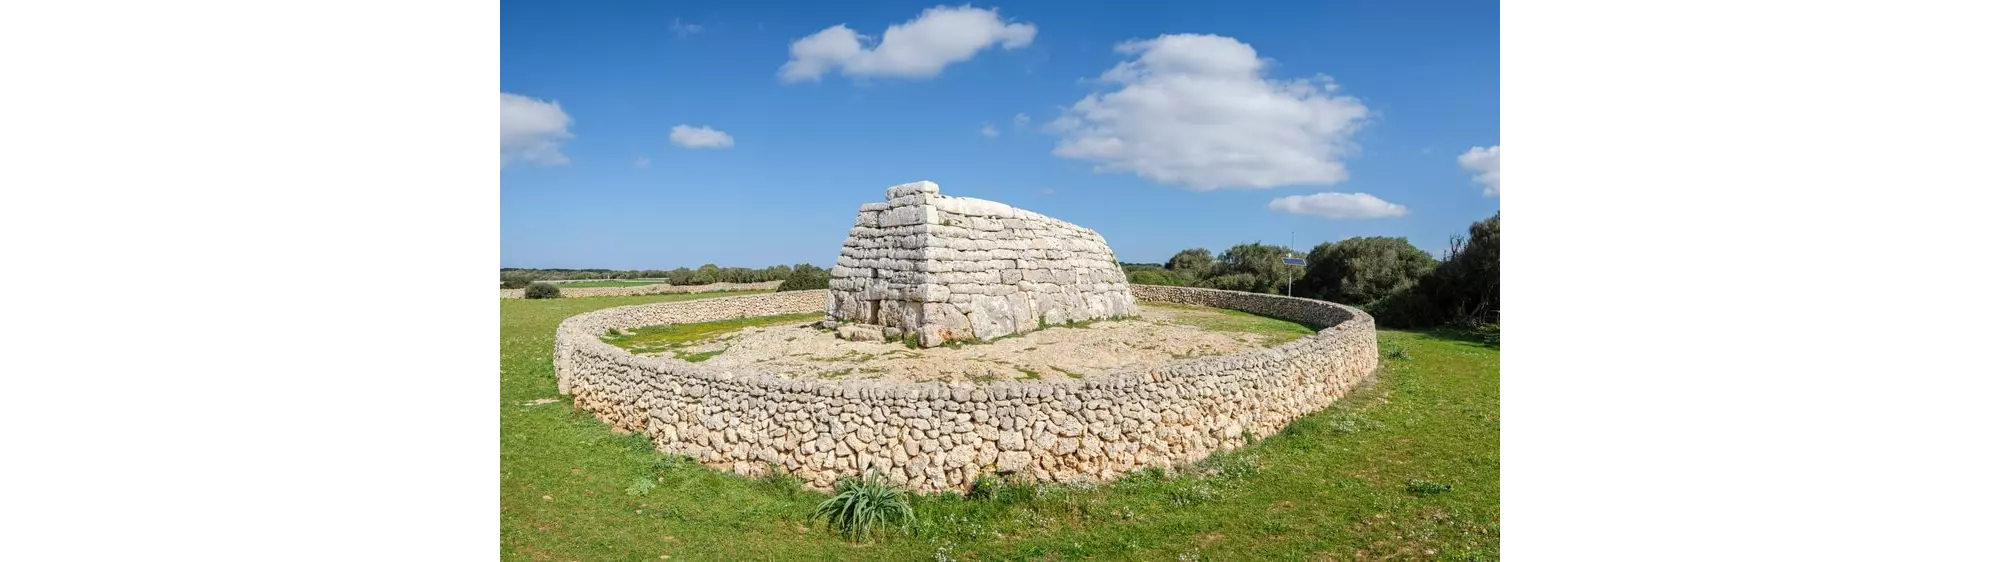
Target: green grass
609	283
1273	330
652	339
1406	469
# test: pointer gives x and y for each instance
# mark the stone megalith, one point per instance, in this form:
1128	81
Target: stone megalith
957	268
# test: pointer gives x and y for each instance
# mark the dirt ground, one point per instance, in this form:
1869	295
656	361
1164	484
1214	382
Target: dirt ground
1160	335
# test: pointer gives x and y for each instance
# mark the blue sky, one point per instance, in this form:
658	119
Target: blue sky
1191	139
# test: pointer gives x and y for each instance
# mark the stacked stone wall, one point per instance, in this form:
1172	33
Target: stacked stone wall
662	288
958	268
936	436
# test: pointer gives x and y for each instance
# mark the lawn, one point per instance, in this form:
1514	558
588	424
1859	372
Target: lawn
1406	469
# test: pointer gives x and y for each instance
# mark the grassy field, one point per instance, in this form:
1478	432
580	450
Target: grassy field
1406	469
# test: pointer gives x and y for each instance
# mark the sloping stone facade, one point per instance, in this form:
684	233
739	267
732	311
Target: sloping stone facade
956	268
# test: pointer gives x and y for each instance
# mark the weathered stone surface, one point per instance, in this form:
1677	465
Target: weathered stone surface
971	268
860	333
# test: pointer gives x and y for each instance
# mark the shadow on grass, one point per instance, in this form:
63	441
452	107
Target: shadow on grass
1484	337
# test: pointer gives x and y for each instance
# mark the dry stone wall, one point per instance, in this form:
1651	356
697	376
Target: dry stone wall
934	436
649	289
957	268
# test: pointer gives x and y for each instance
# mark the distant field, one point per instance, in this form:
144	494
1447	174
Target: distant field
607	283
1408	469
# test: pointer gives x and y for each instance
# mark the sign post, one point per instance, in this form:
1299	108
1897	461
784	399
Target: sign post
1288	273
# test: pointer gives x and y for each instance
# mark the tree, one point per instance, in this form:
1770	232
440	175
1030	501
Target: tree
1359	271
1463	289
805	276
707	273
1262	262
1154	276
1192	263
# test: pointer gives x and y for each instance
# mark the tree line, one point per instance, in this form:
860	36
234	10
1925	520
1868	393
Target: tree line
1401	285
516	277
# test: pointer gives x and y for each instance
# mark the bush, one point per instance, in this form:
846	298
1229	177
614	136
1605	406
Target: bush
1192	263
805	276
1264	264
515	280
543	291
865	506
1363	270
1232	282
1155	276
1463	290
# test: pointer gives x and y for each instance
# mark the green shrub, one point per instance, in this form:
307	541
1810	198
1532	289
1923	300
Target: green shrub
1155	276
1231	282
1463	290
863	507
805	276
543	291
1192	263
984	486
513	280
1363	270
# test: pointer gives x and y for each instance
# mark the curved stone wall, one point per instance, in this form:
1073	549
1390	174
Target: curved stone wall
935	436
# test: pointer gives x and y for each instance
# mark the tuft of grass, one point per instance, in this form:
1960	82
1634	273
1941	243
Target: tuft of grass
864	507
1072	374
697	356
1396	352
640	486
1028	374
1426	488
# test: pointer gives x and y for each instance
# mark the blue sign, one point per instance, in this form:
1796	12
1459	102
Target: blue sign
1294	261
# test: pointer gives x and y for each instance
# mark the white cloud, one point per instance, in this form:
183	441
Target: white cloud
988	131
1484	161
685	29
919	48
532	130
642	163
700	137
1334	205
1020	119
1196	111
1048	191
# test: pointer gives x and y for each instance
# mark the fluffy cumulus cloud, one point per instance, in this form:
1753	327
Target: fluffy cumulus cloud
988	131
700	137
532	131
1334	205
919	48
1197	111
1484	162
1020	119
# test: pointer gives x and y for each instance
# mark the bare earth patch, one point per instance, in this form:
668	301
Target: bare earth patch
1160	335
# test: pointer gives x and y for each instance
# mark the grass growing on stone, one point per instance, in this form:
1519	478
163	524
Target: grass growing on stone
654	339
1273	330
1406	469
